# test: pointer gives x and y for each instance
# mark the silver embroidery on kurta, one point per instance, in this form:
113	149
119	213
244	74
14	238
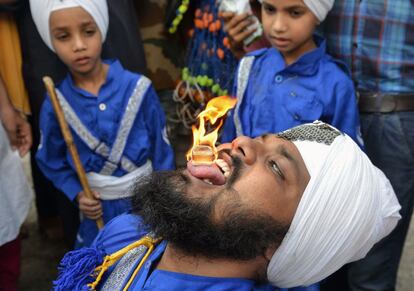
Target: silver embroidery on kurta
242	81
123	269
76	124
91	141
318	131
128	165
133	106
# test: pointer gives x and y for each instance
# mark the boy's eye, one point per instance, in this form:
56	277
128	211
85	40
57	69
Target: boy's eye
276	169
296	13
90	32
62	36
268	8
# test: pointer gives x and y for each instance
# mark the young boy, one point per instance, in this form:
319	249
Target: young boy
115	116
294	81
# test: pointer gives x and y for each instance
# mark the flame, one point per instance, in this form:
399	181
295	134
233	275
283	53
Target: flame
215	109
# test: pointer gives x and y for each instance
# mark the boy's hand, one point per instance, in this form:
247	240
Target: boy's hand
92	208
237	28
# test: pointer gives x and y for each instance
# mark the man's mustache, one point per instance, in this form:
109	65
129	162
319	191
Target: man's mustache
236	173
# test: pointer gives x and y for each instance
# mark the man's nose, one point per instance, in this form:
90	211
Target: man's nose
245	148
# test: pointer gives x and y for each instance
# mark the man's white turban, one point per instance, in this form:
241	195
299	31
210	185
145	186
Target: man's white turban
347	207
41	10
319	8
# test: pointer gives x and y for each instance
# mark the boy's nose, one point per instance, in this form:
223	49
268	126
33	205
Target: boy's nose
78	44
245	148
279	24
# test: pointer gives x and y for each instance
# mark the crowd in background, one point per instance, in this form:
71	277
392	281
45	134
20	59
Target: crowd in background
372	43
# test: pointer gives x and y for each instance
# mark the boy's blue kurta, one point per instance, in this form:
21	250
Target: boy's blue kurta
278	97
129	228
102	115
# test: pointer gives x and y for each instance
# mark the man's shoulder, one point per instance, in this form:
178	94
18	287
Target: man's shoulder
120	232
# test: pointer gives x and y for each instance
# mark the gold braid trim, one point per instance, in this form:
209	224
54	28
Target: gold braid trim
109	260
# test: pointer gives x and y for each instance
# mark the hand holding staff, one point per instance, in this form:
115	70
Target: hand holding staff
67	135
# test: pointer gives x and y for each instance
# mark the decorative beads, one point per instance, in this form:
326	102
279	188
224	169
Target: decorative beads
182	9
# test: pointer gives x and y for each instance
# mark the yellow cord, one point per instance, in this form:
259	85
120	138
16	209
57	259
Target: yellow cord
149	251
109	260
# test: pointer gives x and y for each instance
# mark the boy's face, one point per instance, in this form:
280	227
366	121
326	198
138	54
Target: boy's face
76	39
289	26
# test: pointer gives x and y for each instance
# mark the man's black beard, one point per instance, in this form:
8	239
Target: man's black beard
188	224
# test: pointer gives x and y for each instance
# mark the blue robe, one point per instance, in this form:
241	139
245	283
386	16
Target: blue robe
278	97
102	115
129	228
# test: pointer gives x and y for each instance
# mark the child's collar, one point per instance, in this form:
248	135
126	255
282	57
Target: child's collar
308	63
113	71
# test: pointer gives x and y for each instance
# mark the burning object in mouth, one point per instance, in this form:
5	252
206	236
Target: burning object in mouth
204	151
203	155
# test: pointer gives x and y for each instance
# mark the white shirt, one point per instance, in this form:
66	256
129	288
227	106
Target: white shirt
15	193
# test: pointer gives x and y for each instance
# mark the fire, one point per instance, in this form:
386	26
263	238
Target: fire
204	150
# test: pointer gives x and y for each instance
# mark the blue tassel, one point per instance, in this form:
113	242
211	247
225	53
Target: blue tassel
76	268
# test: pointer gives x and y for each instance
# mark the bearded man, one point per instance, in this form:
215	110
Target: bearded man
279	210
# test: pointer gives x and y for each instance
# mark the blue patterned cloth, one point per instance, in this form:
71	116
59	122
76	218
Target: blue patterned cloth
376	40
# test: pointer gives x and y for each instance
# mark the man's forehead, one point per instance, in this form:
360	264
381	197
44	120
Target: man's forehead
318	132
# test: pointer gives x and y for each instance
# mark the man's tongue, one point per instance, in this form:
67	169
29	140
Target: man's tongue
211	173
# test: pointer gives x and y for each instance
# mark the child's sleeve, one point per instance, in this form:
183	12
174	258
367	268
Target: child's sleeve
52	155
345	116
229	129
161	152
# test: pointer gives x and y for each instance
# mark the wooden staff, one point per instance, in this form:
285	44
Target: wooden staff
67	135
